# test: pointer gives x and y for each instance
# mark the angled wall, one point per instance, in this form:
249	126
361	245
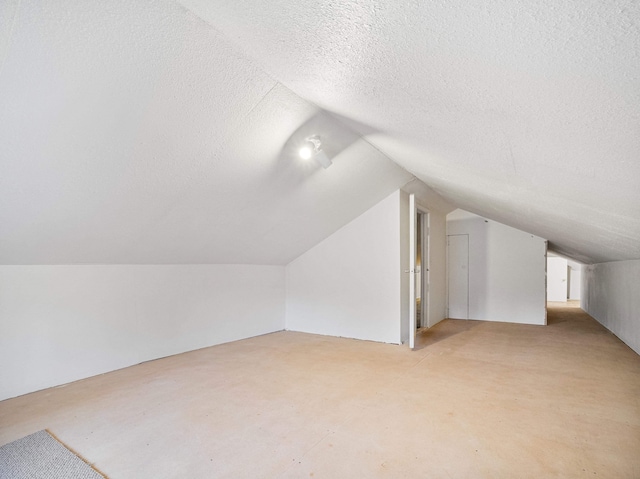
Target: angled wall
63	323
610	295
506	270
349	284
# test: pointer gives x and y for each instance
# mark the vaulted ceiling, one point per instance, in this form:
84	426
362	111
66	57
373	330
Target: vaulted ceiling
163	132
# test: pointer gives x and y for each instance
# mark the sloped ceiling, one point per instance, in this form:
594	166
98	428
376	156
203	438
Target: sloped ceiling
526	112
159	132
133	132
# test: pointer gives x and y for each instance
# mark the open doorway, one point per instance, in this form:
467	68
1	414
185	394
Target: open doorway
422	269
563	284
564	279
556	278
418	269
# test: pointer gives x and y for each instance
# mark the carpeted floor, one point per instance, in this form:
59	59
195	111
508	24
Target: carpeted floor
475	400
41	456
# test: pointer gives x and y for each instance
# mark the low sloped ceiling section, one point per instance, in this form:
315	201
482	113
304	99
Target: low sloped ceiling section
133	132
524	112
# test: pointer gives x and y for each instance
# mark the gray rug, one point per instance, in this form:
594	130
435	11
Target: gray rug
41	456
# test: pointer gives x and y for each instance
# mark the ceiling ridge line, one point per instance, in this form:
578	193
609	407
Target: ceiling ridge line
363	137
259	102
239	51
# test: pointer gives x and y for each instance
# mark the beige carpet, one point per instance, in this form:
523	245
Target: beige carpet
41	456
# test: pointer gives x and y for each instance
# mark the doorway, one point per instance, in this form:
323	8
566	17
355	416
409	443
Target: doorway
557	289
418	269
422	269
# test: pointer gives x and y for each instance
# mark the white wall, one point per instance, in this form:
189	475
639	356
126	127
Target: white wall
610	295
437	266
557	285
349	284
63	323
506	270
575	280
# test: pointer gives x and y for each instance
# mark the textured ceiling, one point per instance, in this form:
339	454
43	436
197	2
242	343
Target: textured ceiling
160	132
133	132
526	112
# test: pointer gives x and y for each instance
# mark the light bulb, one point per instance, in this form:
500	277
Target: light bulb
306	152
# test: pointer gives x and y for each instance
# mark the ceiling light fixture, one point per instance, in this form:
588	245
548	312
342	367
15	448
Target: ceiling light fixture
306	152
312	148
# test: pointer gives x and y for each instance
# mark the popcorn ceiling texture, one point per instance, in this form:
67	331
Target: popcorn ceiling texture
132	132
525	112
156	132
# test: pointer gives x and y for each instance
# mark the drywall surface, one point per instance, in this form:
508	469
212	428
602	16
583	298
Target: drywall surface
134	133
506	270
63	323
349	284
557	285
437	266
610	295
575	280
505	108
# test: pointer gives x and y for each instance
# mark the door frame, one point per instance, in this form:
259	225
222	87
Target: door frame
414	210
425	266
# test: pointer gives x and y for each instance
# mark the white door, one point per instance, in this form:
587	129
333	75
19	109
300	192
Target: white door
422	267
556	279
575	282
458	269
418	269
412	269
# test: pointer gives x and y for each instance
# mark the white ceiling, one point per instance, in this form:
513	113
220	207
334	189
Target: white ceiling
526	112
132	132
141	132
